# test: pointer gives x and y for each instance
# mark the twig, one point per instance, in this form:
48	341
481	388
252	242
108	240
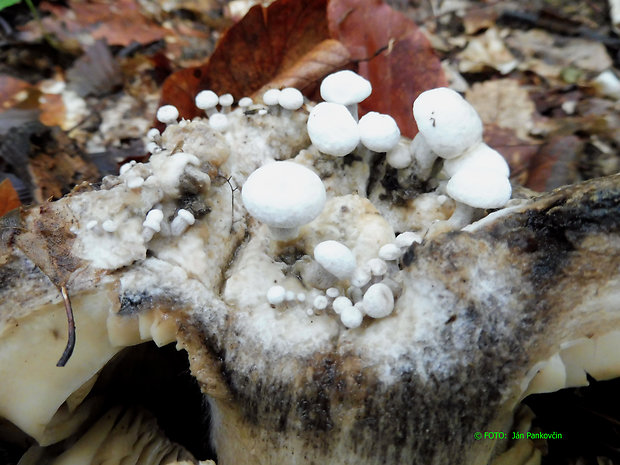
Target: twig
66	355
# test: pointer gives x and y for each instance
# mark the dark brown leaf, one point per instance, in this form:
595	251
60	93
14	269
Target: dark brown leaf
404	66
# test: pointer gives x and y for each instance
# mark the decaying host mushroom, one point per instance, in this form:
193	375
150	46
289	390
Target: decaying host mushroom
468	322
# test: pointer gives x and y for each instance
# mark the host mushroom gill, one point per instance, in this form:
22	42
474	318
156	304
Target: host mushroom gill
398	351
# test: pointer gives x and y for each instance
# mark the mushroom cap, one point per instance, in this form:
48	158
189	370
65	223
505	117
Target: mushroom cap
206	99
378	132
290	98
450	125
351	317
283	194
271	96
345	87
378	301
479	157
167	114
480	188
336	258
226	100
332	129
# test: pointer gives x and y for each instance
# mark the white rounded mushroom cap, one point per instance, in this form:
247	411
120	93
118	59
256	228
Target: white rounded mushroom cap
332	129
400	155
351	317
480	157
378	301
340	303
226	100
479	188
378	132
290	98
271	97
206	99
336	258
167	114
245	102
283	194
450	125
345	87
276	295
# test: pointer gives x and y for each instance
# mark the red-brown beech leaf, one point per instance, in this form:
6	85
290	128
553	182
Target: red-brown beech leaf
265	43
8	197
404	66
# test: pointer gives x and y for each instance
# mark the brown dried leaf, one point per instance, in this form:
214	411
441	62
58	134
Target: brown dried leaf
517	152
404	66
120	22
325	58
8	197
266	42
555	164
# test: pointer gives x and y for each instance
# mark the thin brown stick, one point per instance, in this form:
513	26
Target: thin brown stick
66	355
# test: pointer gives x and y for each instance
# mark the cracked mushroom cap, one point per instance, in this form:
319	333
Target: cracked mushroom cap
449	124
283	194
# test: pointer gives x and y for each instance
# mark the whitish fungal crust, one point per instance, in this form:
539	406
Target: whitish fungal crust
326	317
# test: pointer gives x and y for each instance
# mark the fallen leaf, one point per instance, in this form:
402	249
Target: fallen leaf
265	43
9	199
391	52
504	102
13	91
487	51
323	59
120	22
517	152
555	164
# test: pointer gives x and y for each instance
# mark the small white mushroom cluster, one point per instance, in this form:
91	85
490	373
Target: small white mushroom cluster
208	101
289	98
450	128
333	125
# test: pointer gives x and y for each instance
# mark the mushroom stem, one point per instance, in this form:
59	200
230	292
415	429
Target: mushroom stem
423	155
461	216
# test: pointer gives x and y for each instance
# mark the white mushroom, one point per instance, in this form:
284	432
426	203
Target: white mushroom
476	188
390	252
152	223
207	100
181	222
336	258
167	114
276	295
449	124
351	317
271	97
152	134
479	157
320	302
340	303
284	195
245	102
378	301
400	155
290	98
226	101
378	132
332	129
347	88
